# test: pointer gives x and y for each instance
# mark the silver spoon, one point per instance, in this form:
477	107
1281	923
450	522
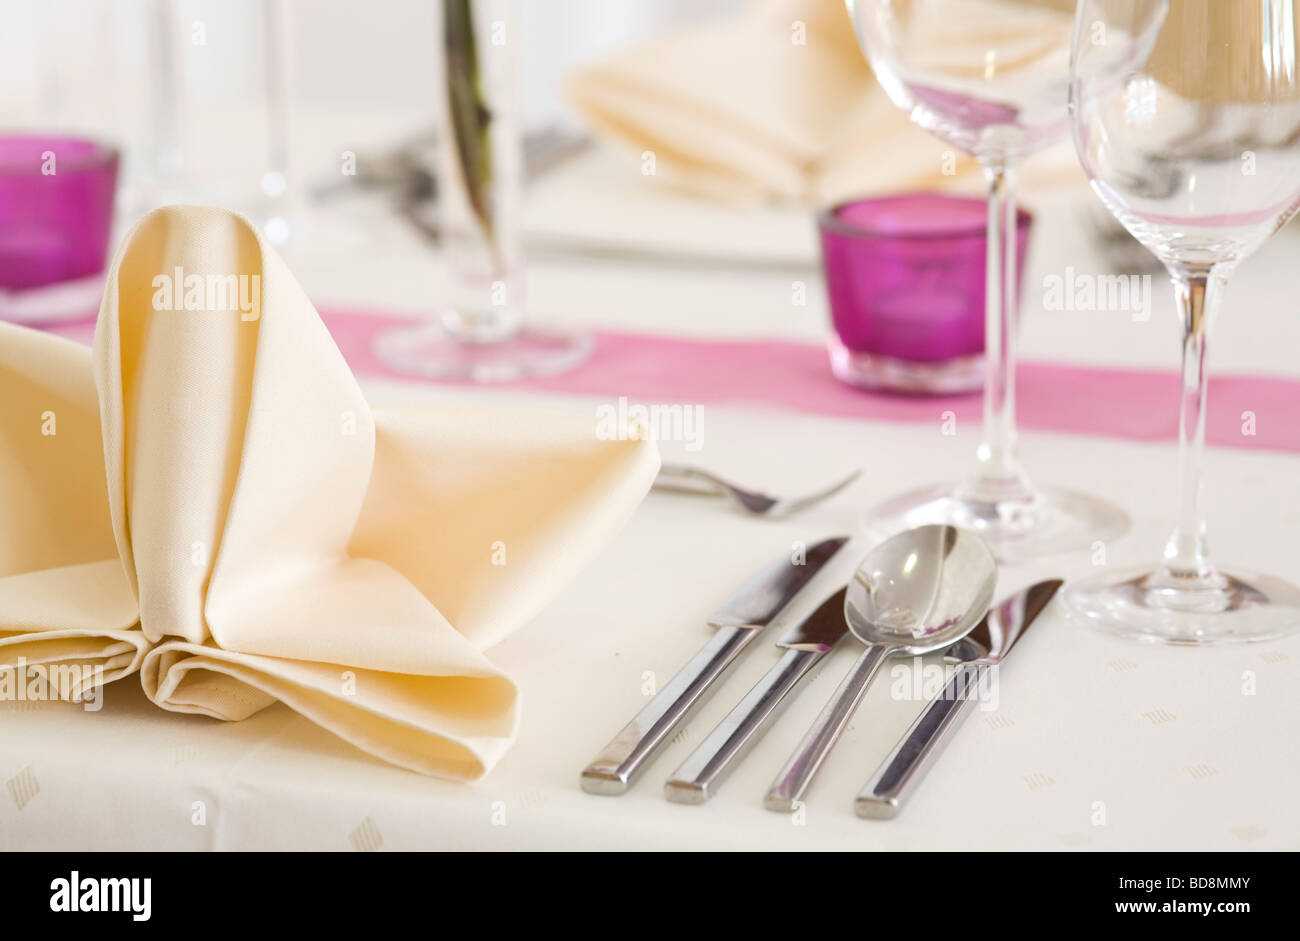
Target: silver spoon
918	591
682	478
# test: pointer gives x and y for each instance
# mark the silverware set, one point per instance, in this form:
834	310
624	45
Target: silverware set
922	590
736	624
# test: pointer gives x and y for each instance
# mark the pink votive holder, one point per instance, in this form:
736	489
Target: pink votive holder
905	280
56	214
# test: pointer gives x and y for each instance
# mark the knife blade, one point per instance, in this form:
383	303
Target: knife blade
984	648
740	619
806	643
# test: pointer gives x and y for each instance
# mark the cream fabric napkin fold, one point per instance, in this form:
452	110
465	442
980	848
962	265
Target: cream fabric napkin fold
207	498
779	104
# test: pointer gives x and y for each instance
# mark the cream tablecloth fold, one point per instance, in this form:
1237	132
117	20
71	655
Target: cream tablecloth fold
221	510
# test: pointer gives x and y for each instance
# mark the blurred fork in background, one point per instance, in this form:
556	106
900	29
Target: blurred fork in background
682	478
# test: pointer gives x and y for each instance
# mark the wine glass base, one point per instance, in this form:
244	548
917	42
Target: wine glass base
1248	608
1016	530
429	350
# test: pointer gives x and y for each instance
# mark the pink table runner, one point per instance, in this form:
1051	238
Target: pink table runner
1245	411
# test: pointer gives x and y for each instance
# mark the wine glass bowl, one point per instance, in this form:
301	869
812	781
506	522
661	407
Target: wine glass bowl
1191	145
1186	118
988	77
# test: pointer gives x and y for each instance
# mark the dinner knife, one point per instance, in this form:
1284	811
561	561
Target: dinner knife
980	651
755	605
805	645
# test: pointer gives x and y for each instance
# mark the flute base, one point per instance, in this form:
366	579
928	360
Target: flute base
431	351
1016	529
1147	605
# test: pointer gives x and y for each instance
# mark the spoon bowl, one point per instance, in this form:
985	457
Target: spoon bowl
922	589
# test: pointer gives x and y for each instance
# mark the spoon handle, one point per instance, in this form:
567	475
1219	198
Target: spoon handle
793	780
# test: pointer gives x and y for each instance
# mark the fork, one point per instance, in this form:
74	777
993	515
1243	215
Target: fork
682	478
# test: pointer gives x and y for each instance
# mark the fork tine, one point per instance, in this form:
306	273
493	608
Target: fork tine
787	507
686	479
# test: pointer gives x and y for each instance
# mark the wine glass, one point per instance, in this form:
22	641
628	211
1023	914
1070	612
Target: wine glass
1186	116
988	77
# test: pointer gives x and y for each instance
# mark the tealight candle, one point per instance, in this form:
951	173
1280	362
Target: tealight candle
56	210
905	280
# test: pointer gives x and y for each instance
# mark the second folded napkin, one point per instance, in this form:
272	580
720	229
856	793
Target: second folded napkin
777	102
207	498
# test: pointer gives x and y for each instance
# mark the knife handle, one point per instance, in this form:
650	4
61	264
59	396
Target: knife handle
901	772
619	762
702	773
793	780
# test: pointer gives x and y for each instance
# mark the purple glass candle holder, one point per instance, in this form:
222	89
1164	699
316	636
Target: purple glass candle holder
56	213
905	280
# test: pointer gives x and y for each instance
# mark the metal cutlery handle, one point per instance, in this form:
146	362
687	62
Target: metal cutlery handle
901	772
619	762
703	772
793	780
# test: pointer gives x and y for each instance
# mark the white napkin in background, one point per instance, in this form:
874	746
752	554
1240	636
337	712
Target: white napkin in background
219	509
737	111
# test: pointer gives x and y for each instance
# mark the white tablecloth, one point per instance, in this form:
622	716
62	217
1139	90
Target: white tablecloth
1097	743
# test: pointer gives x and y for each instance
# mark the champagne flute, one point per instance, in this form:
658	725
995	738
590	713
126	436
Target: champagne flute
1186	116
988	77
486	332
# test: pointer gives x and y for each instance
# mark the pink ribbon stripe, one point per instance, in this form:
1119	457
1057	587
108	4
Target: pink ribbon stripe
1245	411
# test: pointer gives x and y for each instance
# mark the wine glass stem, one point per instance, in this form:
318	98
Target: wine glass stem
1000	476
1187	561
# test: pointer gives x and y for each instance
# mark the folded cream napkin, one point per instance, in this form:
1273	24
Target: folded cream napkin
206	498
780	104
